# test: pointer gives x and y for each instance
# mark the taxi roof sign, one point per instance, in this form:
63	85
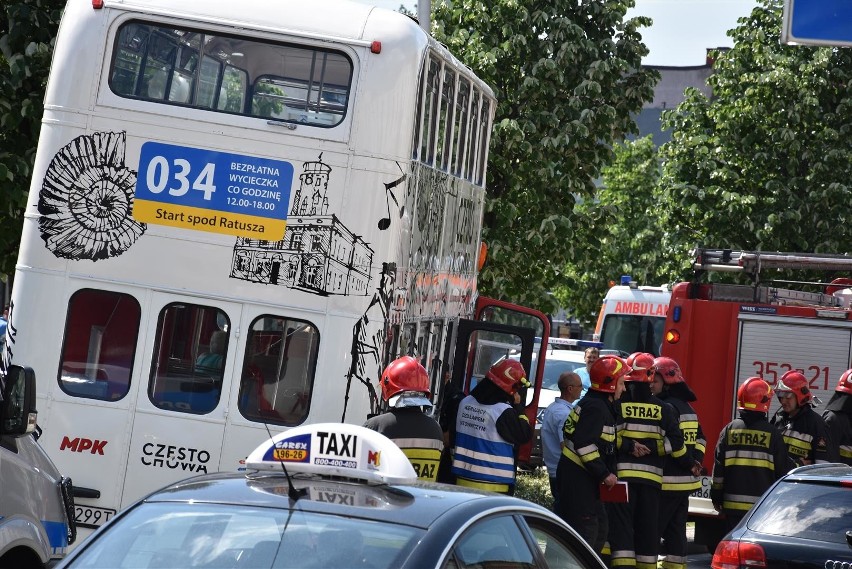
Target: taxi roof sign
334	449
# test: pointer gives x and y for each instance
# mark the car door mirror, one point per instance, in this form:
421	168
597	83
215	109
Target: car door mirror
18	410
849	537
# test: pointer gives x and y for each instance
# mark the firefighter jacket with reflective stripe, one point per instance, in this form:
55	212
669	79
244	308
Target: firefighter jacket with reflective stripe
482	457
419	436
840	429
750	457
677	478
652	422
589	435
806	436
838	420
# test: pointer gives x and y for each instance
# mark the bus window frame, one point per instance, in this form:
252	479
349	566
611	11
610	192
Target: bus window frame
251	372
96	365
211	30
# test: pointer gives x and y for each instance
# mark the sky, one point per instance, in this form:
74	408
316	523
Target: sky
682	32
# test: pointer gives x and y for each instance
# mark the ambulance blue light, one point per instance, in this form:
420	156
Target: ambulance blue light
676	314
334	449
625	280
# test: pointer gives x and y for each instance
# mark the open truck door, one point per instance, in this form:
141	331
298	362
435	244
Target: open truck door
502	330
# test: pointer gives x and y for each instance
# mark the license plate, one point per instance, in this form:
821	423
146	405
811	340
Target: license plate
704	491
91	516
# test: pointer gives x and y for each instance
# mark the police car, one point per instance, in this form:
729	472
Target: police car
334	496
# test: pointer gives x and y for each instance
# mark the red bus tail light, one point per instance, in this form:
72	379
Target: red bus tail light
736	554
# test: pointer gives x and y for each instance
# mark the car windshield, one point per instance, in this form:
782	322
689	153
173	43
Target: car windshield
553	369
185	535
805	510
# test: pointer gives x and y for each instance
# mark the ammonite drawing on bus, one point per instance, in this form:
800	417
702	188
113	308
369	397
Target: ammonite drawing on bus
86	199
318	254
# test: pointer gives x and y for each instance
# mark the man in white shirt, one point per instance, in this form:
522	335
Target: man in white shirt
591	355
570	386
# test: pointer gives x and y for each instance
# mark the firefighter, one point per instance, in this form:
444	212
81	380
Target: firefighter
490	426
750	454
588	453
838	417
405	390
647	431
805	433
678	481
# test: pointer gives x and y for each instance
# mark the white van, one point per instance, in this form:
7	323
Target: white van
633	317
36	505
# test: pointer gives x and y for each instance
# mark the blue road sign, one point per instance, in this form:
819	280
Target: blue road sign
817	22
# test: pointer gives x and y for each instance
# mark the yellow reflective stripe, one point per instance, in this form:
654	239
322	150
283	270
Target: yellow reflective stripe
679	453
482	485
701	447
572	456
749	462
525	418
681	486
605	550
666	564
731	505
589	457
622	561
630	473
796	442
608	437
422	453
846	451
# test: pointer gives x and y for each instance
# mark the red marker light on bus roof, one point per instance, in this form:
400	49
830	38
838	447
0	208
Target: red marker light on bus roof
97	4
375	47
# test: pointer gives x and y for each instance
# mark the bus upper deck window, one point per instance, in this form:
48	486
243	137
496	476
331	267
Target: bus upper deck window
236	75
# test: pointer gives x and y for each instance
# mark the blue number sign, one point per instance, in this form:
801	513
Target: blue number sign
817	22
213	191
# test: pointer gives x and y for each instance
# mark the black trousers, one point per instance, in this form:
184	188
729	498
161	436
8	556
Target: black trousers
634	537
580	505
674	508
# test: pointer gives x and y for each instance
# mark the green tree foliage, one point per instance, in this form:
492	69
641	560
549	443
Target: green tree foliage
27	32
567	76
766	163
623	222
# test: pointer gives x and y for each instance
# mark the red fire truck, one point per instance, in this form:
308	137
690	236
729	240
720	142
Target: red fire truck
722	333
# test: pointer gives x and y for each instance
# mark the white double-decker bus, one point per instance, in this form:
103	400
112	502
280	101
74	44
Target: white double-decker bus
239	213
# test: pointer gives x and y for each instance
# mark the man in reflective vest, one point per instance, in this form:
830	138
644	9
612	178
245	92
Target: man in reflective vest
678	482
838	417
490	426
804	431
750	454
405	390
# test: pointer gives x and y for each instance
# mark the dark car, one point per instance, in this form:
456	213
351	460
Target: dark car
349	498
804	520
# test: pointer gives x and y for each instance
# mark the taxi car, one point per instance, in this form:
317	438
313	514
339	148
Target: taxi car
804	520
335	496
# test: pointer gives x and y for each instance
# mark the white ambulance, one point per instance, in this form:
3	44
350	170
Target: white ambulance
633	317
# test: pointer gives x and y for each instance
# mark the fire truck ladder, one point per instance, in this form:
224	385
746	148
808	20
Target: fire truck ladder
752	262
